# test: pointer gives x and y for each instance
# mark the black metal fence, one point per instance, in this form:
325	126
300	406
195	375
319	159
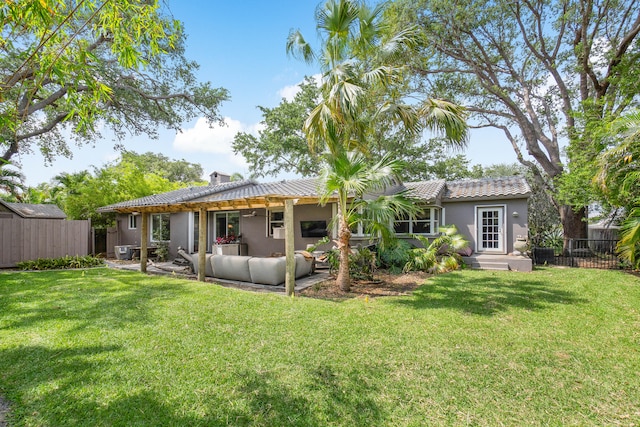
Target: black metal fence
585	253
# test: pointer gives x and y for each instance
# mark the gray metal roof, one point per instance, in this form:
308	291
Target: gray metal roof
292	188
502	188
176	196
28	210
428	191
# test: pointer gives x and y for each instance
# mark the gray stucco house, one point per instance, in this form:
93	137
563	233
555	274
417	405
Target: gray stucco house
490	212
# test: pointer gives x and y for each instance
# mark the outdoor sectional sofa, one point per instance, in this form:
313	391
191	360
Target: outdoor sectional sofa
266	271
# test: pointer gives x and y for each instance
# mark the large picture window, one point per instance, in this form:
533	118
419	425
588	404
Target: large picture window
160	227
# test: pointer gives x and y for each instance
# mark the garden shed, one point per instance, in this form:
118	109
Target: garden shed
32	231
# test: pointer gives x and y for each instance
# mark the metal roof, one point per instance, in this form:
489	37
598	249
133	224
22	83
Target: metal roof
290	189
176	196
240	194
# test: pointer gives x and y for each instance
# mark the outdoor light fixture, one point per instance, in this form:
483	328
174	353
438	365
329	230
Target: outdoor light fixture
515	214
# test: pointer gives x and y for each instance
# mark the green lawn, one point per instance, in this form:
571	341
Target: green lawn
112	348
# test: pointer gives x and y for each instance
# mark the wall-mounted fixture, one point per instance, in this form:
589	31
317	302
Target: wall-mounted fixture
515	214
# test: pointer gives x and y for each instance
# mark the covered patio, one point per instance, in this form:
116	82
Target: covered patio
237	196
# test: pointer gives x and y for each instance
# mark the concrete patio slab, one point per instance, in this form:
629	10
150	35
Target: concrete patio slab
169	268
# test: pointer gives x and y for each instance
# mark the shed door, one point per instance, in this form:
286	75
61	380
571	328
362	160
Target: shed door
490	228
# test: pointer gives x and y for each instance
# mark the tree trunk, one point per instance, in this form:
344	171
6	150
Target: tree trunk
574	224
344	235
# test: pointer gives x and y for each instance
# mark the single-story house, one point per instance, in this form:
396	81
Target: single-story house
249	216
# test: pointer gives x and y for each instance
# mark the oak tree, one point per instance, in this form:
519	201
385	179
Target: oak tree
70	69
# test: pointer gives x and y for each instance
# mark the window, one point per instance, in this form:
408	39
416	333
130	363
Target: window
133	222
160	227
196	232
276	220
227	225
423	223
358	229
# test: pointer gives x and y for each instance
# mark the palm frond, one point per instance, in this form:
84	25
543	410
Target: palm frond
298	47
629	244
448	119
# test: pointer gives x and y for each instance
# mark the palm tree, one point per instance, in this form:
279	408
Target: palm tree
11	181
361	82
349	175
629	244
618	177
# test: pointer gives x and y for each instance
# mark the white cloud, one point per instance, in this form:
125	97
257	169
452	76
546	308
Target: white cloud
289	92
215	139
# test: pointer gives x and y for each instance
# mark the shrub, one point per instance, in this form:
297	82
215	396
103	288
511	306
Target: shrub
440	255
395	256
61	263
362	263
162	251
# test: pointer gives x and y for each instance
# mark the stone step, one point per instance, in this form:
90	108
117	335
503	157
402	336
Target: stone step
488	265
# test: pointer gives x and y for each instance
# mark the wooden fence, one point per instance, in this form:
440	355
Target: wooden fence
30	239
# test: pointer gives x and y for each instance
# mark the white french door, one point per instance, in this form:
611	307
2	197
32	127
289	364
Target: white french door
490	229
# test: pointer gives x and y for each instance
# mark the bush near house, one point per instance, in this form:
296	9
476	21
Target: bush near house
61	263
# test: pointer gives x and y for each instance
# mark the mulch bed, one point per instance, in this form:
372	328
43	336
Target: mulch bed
384	284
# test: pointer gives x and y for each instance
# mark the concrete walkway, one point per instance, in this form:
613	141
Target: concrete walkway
169	268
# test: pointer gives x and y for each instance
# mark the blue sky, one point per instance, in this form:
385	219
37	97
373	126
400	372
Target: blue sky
240	45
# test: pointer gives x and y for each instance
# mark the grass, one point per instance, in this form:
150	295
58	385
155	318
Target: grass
113	348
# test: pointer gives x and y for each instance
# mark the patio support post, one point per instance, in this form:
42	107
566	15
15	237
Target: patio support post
144	232
202	244
289	248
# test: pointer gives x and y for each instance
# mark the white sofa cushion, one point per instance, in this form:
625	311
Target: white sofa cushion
231	267
268	271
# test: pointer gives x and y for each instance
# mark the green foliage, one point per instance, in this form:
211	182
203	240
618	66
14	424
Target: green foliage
70	68
162	250
65	262
282	145
361	80
319	243
551	238
629	244
395	255
619	166
131	177
440	255
362	262
530	70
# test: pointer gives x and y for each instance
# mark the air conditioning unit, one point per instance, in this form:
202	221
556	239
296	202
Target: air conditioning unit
278	233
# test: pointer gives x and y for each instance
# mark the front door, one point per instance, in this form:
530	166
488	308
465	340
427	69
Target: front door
490	228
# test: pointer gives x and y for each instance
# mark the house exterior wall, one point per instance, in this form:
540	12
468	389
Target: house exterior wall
179	233
463	215
128	236
254	229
